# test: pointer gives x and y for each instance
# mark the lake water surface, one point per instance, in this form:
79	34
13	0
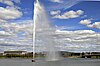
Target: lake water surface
64	62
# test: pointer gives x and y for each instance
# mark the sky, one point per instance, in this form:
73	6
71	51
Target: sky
16	21
77	24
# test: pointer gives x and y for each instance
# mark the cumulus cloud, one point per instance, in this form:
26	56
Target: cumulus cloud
3	33
23	26
17	35
8	2
55	12
69	14
9	13
95	25
80	40
85	22
88	23
14	35
57	1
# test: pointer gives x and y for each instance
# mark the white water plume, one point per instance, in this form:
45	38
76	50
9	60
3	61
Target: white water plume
43	32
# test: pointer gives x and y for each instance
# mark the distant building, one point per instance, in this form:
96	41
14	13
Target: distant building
15	52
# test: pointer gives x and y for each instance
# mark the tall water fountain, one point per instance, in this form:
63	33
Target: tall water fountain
43	32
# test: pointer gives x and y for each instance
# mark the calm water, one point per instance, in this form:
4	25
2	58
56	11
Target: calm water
16	62
65	62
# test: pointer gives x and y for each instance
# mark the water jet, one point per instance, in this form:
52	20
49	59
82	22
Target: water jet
44	32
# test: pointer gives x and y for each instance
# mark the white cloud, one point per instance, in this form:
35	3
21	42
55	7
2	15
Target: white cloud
55	12
23	26
9	13
14	35
95	25
69	14
79	12
80	40
75	32
3	33
85	22
57	1
89	23
90	26
10	39
8	2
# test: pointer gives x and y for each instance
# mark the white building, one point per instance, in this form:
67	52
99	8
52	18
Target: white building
15	52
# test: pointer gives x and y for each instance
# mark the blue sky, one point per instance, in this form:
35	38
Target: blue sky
26	7
77	23
16	21
91	10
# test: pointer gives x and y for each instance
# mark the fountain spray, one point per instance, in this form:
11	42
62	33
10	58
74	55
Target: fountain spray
43	31
34	27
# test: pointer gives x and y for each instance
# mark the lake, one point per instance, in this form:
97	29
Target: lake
64	62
